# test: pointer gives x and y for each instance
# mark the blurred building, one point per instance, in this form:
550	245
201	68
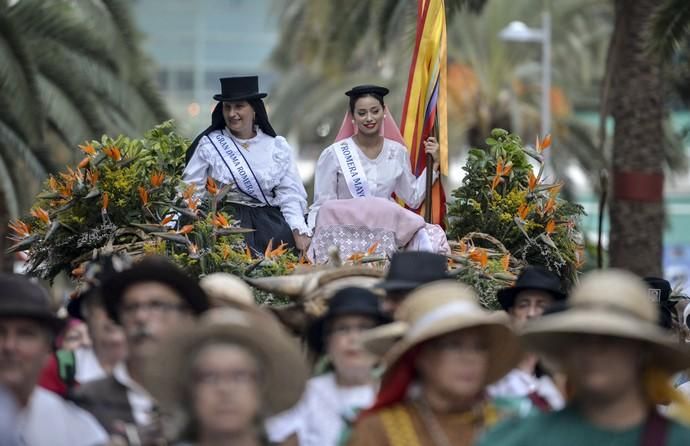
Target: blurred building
194	43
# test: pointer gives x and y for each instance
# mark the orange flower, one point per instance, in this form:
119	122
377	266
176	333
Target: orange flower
92	177
157	179
168	218
143	195
84	162
211	186
248	253
505	262
481	256
53	183
113	153
41	214
220	221
550	206
88	149
192	204
372	248
533	180
105	200
522	211
272	253
20	229
555	190
186	229
189	191
550	227
543	144
501	171
355	257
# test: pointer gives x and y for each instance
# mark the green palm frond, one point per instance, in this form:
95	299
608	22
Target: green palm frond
669	27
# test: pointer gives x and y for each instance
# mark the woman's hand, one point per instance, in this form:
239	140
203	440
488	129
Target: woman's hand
432	148
302	242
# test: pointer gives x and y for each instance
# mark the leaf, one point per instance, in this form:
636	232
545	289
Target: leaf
24	244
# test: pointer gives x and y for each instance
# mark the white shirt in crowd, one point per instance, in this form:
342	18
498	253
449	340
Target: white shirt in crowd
87	366
519	383
272	163
318	419
49	420
139	399
389	173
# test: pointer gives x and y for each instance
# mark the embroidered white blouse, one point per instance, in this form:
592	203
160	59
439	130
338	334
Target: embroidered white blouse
272	163
389	173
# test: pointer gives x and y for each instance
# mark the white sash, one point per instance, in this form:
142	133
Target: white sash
238	166
352	169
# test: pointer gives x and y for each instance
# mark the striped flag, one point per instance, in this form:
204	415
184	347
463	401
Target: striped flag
425	100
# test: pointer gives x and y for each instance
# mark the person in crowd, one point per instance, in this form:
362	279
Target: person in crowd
407	271
241	149
356	177
27	330
619	364
66	369
334	398
75	336
535	290
433	389
150	300
222	377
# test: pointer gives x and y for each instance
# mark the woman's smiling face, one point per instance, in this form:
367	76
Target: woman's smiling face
368	115
239	118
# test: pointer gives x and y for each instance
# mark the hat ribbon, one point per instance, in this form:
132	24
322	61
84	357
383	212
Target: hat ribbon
458	308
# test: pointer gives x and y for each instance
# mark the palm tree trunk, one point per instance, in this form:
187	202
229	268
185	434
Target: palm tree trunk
6	260
637	209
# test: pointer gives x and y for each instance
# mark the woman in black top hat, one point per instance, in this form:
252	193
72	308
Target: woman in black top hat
241	148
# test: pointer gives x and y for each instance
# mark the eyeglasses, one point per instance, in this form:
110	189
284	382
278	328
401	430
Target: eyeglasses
154	307
211	378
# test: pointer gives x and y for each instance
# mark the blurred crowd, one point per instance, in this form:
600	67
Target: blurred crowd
151	356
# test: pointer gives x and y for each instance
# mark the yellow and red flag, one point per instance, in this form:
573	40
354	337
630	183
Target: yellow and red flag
425	104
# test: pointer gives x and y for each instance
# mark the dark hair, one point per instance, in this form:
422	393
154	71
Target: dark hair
218	123
355	98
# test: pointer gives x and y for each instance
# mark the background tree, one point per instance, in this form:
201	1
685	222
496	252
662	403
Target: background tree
69	71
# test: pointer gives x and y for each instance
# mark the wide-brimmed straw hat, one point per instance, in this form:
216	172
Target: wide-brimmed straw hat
609	303
444	307
227	290
283	368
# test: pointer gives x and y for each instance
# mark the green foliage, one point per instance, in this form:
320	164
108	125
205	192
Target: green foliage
502	197
127	195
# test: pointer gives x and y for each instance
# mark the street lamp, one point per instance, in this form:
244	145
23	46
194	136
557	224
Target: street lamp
519	32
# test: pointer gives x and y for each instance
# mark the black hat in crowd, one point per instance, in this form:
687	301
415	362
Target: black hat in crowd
660	293
26	299
532	278
153	269
411	269
350	301
242	88
367	89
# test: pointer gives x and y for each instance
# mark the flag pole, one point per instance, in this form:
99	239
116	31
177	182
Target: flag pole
430	176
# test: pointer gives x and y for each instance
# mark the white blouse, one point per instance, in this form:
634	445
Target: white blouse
272	163
318	419
390	172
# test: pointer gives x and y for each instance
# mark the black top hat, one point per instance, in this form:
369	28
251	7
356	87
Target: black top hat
152	269
241	88
349	301
25	299
367	89
531	278
660	293
411	269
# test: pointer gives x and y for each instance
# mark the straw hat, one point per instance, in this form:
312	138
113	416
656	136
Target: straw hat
447	306
610	303
227	290
282	365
